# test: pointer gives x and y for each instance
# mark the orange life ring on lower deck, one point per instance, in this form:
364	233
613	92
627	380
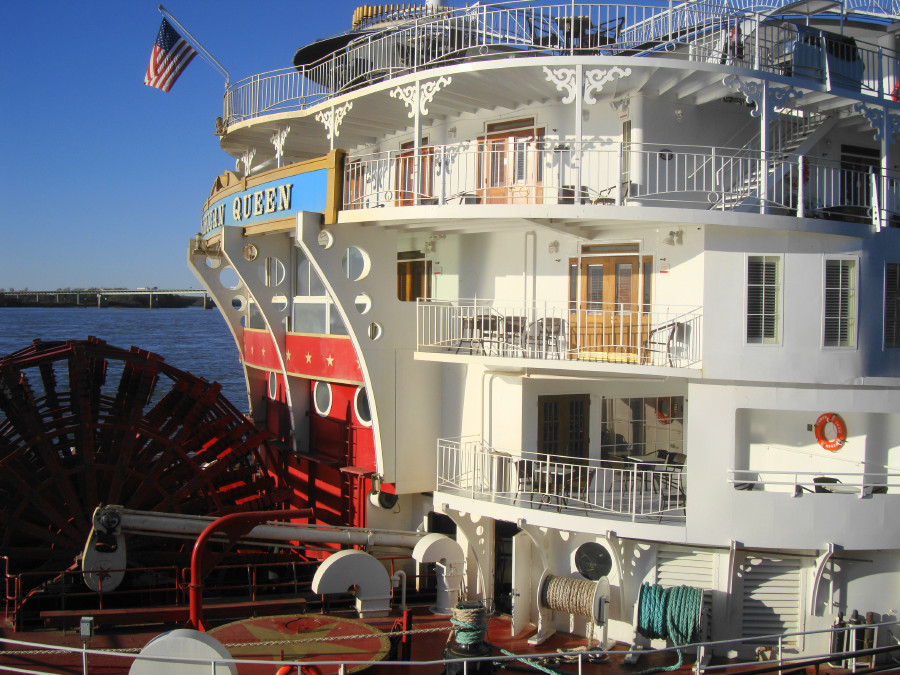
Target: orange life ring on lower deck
840	431
664	416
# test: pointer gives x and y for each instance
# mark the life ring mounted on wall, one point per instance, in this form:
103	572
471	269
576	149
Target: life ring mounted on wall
664	409
840	430
895	92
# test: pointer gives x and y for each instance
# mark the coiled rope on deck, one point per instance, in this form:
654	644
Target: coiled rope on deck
470	627
671	614
468	622
564	594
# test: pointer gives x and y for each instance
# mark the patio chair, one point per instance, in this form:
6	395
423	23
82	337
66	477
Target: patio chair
525	477
821	482
545	337
668	340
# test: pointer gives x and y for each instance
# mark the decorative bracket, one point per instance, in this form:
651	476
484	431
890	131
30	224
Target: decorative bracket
876	119
332	118
278	139
420	94
821	561
595	79
753	92
247	159
566	81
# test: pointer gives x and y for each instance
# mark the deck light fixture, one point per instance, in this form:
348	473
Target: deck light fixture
674	237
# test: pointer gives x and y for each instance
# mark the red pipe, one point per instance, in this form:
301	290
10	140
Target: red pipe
234	526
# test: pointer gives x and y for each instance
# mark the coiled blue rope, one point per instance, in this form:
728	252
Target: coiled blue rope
670	614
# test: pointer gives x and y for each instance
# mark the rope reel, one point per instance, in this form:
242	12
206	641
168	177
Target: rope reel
575	596
673	614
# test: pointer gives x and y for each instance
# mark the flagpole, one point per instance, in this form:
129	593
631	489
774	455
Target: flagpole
206	55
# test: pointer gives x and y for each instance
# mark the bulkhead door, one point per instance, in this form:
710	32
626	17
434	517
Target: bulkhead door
522	590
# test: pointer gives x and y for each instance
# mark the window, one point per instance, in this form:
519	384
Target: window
840	303
892	305
625	168
563	425
413	276
641	426
763	299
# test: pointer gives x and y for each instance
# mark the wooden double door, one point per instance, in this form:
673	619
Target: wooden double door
511	161
610	308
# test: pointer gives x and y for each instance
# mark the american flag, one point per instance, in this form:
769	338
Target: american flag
170	56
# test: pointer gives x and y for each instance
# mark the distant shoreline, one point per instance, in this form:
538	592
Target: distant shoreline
89	299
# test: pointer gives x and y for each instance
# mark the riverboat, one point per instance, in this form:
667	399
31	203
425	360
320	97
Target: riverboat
584	283
606	294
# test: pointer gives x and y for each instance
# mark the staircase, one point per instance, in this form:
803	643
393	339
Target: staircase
792	135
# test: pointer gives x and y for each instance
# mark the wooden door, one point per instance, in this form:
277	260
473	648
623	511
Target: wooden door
412	186
413	279
511	166
607	318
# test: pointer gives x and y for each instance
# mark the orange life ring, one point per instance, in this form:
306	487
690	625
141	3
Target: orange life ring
664	416
840	431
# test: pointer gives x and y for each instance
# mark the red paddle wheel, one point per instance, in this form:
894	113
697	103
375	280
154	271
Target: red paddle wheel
88	424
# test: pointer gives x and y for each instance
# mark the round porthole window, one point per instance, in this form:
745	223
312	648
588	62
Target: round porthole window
361	407
593	561
273	386
322	398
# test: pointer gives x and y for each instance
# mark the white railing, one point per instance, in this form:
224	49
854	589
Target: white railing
847	637
629	489
545	171
860	484
689	31
605	332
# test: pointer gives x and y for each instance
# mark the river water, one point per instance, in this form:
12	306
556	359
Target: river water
191	339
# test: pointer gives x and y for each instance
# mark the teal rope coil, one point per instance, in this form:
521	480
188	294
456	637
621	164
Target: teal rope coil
669	614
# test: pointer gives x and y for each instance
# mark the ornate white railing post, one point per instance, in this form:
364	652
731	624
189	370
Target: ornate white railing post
442	197
801	191
618	178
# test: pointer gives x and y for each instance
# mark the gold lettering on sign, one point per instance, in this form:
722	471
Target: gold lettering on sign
267	200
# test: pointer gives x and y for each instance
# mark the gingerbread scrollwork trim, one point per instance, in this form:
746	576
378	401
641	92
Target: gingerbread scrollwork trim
332	118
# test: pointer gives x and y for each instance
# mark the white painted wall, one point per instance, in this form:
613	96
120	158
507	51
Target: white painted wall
717	513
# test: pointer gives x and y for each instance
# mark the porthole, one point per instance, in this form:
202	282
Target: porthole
363	303
229	279
322	398
375	331
325	239
593	561
361	407
273	386
356	263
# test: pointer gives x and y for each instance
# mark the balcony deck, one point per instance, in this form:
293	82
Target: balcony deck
666	337
639	489
707	178
421	40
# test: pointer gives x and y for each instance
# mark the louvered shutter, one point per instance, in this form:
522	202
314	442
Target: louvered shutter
771	599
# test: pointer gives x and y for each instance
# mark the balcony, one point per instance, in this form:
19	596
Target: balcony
796	483
547	172
667	337
637	489
420	40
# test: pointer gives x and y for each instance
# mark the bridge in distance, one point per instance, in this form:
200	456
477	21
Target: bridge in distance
102	293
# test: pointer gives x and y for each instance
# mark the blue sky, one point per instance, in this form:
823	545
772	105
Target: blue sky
102	178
